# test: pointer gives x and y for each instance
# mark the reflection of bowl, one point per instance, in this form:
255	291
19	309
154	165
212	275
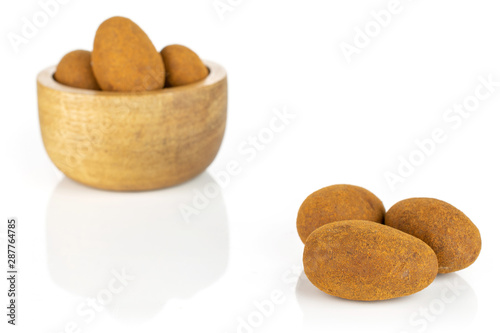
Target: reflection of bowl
133	141
92	233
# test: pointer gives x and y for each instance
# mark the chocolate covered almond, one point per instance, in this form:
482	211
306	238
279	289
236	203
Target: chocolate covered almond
338	203
448	231
367	261
74	70
182	65
125	59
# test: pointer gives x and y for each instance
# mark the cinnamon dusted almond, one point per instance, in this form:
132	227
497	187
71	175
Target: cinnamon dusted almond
74	70
451	234
367	261
125	59
338	203
182	66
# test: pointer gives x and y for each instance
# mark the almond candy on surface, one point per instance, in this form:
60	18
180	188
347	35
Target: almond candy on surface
448	231
338	203
367	261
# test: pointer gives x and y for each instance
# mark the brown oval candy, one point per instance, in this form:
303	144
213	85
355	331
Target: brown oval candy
182	66
74	70
454	238
338	203
367	261
125	59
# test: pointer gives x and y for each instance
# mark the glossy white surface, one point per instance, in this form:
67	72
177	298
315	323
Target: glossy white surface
235	264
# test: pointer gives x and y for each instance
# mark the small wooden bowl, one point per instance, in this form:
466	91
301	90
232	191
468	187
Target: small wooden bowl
133	141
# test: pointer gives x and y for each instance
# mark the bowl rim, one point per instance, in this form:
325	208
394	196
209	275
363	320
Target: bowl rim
216	73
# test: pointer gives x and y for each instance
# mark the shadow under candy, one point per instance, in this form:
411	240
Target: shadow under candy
135	248
449	302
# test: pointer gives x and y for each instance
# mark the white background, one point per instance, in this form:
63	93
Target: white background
353	121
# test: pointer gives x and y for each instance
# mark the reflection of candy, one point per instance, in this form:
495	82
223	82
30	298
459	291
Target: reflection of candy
367	261
448	303
454	238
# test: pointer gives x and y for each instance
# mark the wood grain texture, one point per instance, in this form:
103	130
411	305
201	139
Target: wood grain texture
133	141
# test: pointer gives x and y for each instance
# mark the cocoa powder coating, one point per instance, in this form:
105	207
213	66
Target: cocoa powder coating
367	261
125	59
74	70
448	231
182	65
338	203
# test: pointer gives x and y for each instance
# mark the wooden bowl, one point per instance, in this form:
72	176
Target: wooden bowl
133	141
